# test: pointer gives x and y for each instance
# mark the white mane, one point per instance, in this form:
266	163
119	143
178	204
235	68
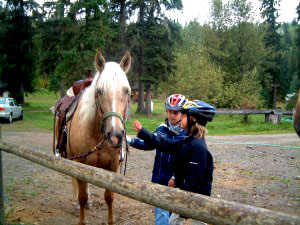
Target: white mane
111	77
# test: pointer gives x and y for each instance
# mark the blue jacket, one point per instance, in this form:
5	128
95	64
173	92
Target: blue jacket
194	163
164	162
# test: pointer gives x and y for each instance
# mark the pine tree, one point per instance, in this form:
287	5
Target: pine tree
270	14
67	56
153	37
16	47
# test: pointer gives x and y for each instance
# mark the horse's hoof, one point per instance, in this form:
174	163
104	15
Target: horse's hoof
87	206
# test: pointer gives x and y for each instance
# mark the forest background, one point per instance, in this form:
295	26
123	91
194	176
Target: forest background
231	61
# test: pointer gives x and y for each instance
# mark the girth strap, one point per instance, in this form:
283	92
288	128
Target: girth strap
108	114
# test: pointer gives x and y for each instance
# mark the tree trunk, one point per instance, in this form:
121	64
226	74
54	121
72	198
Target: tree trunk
141	70
21	101
275	86
62	89
122	20
148	99
141	107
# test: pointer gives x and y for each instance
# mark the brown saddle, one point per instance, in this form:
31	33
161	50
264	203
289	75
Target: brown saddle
64	110
80	85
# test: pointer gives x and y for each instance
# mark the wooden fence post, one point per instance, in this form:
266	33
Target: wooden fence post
1	187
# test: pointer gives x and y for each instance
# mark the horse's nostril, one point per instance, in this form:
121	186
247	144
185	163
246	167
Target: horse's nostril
123	132
108	135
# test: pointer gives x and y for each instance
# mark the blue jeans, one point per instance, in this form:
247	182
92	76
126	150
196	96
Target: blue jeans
161	216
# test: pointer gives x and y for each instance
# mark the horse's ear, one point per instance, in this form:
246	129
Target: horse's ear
99	62
126	62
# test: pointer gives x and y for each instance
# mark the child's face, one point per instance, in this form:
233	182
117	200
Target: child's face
174	117
184	123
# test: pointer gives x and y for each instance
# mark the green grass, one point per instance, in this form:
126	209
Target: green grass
37	117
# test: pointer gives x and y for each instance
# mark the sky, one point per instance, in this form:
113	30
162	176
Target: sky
200	9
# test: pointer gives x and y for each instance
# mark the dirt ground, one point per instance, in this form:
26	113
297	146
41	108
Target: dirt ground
248	169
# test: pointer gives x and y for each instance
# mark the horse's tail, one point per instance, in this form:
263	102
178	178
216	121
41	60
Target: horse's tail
297	115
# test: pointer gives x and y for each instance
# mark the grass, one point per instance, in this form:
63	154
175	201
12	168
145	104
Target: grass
38	118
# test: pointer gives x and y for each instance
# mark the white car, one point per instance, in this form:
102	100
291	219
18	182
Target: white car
10	109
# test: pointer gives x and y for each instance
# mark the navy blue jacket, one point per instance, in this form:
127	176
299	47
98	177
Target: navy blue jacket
164	162
194	163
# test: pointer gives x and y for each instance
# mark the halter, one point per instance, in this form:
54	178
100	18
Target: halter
108	114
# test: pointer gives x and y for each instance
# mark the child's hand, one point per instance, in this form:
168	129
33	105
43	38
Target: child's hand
137	126
171	183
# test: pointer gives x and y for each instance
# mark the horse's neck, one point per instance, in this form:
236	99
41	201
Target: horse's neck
88	107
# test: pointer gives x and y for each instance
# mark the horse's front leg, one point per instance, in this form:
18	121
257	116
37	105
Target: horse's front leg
82	198
109	198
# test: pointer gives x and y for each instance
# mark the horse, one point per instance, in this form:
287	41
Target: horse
96	129
297	115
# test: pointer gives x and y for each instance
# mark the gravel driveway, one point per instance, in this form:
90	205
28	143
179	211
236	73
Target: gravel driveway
249	169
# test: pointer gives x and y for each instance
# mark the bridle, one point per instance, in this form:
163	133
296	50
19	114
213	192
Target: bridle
99	146
110	114
123	120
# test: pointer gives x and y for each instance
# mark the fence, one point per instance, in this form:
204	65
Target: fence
270	115
199	207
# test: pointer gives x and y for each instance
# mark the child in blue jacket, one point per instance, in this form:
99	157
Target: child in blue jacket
162	169
194	163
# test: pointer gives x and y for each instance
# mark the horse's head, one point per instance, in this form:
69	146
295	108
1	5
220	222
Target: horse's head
112	97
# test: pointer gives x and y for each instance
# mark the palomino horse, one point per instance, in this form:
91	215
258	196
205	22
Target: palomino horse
297	115
98	123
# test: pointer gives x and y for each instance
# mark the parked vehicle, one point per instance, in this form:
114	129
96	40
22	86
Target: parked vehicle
10	109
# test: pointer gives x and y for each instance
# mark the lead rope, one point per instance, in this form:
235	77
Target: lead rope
127	152
97	147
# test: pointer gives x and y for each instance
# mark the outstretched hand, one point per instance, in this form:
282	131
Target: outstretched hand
137	126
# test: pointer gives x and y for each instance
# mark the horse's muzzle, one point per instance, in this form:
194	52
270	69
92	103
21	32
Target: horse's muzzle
115	139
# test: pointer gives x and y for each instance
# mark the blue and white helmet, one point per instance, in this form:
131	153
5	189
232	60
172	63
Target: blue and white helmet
201	111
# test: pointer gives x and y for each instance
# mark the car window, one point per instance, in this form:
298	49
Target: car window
16	103
11	103
2	100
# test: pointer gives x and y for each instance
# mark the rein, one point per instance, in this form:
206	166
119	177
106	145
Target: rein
96	148
100	145
105	116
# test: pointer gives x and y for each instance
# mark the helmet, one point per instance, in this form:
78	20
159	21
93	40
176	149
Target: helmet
201	111
175	102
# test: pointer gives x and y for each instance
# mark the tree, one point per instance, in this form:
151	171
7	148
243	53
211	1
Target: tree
205	79
16	47
270	14
69	54
234	43
153	60
288	66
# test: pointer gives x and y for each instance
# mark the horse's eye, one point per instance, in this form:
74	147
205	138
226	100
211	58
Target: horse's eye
99	91
126	91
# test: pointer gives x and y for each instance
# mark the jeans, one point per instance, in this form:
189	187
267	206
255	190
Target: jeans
161	216
175	219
